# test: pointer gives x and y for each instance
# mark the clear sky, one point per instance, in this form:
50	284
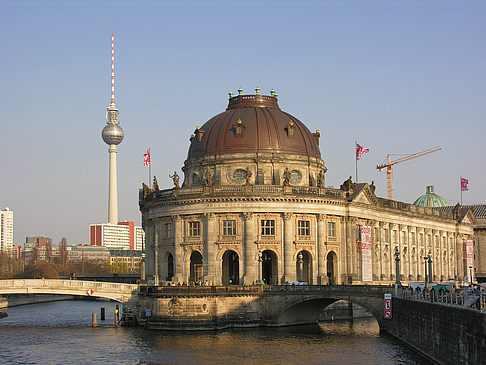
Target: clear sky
398	76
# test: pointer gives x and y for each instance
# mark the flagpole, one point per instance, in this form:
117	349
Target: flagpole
356	158
150	170
460	184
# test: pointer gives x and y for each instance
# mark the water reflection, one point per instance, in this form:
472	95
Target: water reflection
60	333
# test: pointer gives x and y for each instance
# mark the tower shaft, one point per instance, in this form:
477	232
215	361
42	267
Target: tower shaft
113	190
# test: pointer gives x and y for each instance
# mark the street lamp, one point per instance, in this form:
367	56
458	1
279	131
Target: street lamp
430	269
425	272
260	260
397	260
301	267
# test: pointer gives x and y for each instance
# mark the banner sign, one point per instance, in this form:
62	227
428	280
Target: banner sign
367	273
470	260
388	306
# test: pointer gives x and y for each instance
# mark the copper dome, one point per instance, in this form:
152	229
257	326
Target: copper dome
253	123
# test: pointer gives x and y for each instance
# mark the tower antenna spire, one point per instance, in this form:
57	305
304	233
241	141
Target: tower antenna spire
112	134
112	70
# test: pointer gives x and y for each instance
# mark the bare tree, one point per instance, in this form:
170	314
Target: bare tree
9	265
63	255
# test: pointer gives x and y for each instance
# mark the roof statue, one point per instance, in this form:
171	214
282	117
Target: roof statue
175	179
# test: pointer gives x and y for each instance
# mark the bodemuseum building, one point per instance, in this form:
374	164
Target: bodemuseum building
254	206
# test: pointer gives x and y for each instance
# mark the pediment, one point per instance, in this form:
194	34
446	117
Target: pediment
468	218
365	196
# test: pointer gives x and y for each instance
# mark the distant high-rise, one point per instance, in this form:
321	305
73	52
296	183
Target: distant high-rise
112	135
6	229
125	236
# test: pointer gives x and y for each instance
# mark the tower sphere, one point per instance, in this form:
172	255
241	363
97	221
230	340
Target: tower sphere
112	134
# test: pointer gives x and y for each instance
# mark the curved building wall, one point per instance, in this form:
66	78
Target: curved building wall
281	223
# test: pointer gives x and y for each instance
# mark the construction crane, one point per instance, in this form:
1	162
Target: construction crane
389	163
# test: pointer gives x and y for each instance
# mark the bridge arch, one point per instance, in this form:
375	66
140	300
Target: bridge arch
305	309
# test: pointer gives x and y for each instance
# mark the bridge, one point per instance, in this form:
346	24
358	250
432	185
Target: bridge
118	292
246	306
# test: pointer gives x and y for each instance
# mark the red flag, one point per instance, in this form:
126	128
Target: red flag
146	158
464	184
360	150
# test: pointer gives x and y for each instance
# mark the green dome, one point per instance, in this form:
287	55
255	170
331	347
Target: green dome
431	199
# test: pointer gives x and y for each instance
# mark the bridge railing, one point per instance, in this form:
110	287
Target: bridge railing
66	284
201	290
373	290
462	299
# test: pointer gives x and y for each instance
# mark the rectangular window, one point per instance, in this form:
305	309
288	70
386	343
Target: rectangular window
331	229
412	238
268	227
421	239
358	232
385	235
394	236
194	229
403	238
168	230
303	228
375	234
229	228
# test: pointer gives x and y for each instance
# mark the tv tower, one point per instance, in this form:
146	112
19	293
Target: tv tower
112	135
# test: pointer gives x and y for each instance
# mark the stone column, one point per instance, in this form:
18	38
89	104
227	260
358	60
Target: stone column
460	249
211	267
321	250
433	255
351	265
379	263
289	269
178	249
148	227
372	224
346	256
250	259
156	256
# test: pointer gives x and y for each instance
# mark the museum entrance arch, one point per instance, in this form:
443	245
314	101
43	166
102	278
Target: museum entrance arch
170	267
332	267
269	267
304	267
231	268
196	266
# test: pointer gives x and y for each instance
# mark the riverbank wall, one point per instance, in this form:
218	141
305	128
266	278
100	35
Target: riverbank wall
444	334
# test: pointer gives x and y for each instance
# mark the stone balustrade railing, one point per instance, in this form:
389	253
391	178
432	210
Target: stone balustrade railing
474	301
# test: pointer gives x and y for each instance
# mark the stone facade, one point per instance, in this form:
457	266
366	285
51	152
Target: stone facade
257	209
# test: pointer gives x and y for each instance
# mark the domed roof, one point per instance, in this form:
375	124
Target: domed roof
431	199
253	123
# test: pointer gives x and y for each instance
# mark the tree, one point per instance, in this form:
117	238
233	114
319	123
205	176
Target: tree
40	270
9	265
63	255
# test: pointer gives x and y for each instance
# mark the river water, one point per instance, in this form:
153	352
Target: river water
61	333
